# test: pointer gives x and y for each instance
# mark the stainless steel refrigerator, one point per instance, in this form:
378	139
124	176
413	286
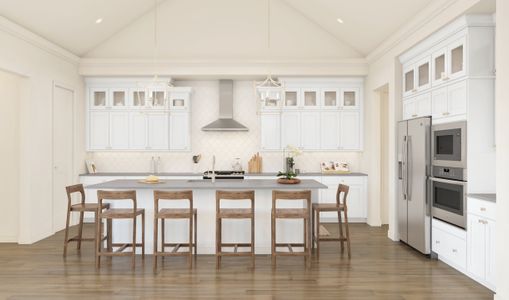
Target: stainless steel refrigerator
414	169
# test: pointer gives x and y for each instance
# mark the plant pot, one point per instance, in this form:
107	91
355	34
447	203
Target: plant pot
288	181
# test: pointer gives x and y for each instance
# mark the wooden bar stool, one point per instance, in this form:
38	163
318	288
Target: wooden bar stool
291	213
339	206
234	213
174	213
81	207
119	213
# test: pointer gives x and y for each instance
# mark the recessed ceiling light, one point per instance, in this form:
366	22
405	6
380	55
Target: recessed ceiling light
99	21
339	20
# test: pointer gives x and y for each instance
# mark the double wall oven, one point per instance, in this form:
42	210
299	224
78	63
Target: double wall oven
449	173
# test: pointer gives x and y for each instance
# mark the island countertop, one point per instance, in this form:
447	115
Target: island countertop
203	184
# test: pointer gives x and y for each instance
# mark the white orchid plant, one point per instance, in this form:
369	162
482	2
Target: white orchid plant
290	153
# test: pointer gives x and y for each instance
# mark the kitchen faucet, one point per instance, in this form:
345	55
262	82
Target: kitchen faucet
213	175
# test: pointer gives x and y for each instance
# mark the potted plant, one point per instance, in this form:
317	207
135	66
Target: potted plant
289	175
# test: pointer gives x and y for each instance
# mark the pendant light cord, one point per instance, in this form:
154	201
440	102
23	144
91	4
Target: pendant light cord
155	39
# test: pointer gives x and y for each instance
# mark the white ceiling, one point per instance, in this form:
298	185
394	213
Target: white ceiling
71	23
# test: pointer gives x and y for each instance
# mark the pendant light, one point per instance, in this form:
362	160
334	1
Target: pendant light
157	91
269	90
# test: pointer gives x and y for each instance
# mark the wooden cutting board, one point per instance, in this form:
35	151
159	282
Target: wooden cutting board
255	164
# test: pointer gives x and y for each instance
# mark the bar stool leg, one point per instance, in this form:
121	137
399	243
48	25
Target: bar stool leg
109	236
155	243
218	242
313	229
98	242
190	255
195	225
80	230
66	238
133	255
318	234
347	233
162	235
273	240
308	241
253	257
341	237
143	236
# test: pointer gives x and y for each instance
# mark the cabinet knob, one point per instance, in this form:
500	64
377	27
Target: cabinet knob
413	116
483	222
437	242
455	250
483	208
445	113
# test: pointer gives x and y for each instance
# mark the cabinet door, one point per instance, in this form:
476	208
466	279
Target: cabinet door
409	109
329	129
350	130
439	67
292	98
490	253
310	130
179	100
290	129
423	105
158	98
456	58
118	98
356	207
350	98
137	97
179	131
310	98
330	98
99	129
457	98
423	76
158	131
119	130
476	262
138	130
270	131
99	98
409	80
439	103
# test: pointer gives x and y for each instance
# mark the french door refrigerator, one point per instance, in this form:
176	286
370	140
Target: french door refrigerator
413	196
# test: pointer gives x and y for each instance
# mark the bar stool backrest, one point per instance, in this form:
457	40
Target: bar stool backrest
77	188
234	195
342	189
117	195
291	195
173	195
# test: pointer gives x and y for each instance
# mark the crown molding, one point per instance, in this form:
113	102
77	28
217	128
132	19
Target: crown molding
422	19
24	34
218	68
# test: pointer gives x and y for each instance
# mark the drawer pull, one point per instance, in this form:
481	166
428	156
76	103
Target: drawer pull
483	208
455	250
413	116
437	242
483	221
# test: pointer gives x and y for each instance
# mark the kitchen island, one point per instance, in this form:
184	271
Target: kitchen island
205	202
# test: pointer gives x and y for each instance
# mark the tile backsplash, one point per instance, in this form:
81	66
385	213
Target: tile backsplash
226	146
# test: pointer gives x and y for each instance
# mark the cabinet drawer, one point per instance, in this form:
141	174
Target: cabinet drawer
482	208
450	248
348	180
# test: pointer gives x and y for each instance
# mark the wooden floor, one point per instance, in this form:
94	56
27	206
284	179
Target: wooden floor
379	269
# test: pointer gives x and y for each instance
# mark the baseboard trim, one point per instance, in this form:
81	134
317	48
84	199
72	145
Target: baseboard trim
8	239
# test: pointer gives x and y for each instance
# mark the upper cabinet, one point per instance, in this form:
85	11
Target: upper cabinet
449	66
124	115
315	115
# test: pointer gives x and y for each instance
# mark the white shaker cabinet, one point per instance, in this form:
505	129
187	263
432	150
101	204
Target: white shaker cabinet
119	130
270	124
356	200
450	100
290	129
310	130
158	136
99	130
138	131
179	131
330	139
350	130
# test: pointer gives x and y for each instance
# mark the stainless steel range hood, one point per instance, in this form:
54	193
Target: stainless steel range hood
225	121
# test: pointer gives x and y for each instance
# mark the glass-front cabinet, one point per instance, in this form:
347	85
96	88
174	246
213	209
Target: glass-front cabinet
423	69
119	98
157	98
291	98
310	98
330	98
439	71
408	80
456	62
99	98
178	100
138	96
350	98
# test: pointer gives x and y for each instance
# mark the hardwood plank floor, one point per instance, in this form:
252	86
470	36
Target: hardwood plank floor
379	269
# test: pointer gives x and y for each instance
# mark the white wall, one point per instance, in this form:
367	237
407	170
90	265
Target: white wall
41	63
10	86
502	129
225	145
384	68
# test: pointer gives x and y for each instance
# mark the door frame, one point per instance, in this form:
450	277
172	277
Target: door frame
57	84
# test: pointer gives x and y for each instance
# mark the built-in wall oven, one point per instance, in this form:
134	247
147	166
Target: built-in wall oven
448	194
449	145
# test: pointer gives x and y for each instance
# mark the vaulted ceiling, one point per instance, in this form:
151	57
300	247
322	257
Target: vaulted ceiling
193	29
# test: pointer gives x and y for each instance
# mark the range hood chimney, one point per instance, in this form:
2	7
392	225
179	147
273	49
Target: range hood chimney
225	121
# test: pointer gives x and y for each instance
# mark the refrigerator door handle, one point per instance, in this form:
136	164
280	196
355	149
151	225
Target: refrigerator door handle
404	167
409	167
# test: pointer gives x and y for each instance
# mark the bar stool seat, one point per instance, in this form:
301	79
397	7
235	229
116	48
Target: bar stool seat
235	213
338	207
120	213
81	207
291	213
175	213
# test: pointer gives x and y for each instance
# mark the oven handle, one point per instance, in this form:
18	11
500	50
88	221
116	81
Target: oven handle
456	182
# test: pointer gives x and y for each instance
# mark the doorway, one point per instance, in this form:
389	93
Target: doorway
63	151
383	96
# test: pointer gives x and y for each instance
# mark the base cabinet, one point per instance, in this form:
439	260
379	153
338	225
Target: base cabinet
356	199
